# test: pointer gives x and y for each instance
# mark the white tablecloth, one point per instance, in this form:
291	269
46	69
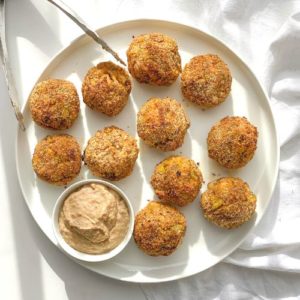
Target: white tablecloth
266	34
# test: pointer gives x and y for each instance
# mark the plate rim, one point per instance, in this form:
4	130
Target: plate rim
188	26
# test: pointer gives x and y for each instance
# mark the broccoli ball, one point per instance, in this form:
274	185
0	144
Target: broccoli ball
54	104
162	123
228	202
154	59
159	229
206	80
232	142
57	159
177	180
106	88
111	153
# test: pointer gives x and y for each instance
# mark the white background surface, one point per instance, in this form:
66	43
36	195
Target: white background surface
32	268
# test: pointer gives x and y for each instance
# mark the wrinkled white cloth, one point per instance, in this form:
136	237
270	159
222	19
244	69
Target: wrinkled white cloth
266	34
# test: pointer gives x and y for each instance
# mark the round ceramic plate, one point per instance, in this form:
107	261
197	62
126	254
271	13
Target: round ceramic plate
204	244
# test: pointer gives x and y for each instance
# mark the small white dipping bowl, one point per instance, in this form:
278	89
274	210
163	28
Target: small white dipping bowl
85	256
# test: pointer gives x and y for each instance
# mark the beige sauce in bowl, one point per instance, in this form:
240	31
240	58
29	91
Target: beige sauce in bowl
94	219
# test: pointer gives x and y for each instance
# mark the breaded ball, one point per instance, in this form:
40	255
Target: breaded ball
232	142
54	104
57	159
177	180
228	202
206	80
153	58
159	229
162	123
106	88
111	153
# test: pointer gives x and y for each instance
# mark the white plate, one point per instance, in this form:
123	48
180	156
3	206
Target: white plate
204	244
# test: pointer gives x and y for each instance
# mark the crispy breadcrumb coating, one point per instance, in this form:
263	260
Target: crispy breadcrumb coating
206	80
54	104
111	153
228	202
159	229
177	180
162	123
232	142
154	59
106	88
57	159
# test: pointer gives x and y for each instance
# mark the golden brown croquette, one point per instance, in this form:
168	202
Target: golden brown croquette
206	80
57	159
162	123
177	180
159	229
106	88
232	142
111	153
228	202
54	104
154	59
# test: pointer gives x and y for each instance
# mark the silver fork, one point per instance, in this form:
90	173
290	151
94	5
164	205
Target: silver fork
10	82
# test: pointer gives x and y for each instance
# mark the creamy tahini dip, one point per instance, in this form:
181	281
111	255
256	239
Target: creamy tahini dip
94	219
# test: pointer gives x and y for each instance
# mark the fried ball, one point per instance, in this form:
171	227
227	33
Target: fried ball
106	88
232	142
57	159
228	202
111	153
206	80
153	58
54	104
177	180
159	229
162	123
